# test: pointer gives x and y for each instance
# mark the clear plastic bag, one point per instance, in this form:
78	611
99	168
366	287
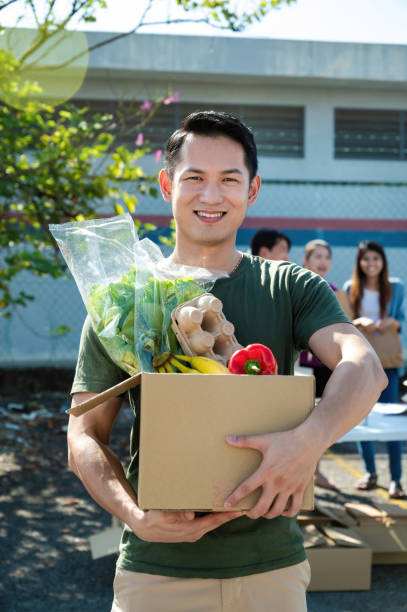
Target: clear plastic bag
128	287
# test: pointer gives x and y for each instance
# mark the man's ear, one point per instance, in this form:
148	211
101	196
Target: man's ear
254	190
264	252
165	185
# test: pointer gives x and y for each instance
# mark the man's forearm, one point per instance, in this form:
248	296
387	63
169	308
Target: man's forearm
103	476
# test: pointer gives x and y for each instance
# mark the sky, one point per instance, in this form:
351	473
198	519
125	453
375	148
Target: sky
369	21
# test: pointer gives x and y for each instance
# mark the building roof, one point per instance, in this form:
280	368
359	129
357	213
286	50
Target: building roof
228	59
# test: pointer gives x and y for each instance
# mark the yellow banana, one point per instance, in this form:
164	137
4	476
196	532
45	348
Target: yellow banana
181	367
161	370
204	365
168	368
160	360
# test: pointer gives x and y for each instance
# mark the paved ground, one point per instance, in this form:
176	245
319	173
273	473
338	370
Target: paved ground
46	519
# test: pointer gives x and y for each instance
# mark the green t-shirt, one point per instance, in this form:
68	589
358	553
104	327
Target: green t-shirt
278	304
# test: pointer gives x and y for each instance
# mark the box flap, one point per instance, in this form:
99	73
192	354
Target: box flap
313	537
313	517
342	536
365	513
115	391
393	511
336	512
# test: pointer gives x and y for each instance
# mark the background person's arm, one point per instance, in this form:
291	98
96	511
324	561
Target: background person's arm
290	458
92	460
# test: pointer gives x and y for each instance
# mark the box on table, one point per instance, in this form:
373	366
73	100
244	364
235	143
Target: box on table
339	559
185	461
384	528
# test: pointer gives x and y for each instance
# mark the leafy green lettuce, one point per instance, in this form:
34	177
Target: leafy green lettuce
134	324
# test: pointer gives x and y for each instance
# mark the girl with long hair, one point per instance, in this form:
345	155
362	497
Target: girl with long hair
377	303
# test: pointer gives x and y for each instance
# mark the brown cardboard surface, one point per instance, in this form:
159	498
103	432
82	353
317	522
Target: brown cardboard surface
396	558
340	569
312	517
343	299
384	538
339	559
336	512
115	391
185	462
393	511
365	513
383	527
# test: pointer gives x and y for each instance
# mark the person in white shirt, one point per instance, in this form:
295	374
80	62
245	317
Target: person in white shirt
377	303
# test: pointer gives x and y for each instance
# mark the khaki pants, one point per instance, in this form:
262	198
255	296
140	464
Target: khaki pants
281	590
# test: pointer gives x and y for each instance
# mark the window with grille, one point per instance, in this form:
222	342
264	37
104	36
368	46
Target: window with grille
370	134
278	130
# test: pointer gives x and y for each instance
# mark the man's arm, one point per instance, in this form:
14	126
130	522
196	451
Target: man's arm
92	460
290	458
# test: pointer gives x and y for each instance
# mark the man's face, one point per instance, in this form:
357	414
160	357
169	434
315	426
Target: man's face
210	190
278	252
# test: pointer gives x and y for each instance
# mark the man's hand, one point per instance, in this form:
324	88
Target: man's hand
287	467
170	527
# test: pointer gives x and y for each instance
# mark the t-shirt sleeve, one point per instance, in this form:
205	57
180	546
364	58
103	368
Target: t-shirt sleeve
314	305
95	371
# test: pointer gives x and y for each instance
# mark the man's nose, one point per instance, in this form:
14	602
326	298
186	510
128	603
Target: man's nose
211	194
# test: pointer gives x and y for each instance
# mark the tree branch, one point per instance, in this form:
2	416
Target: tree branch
3	6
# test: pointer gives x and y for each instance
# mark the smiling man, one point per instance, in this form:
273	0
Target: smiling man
179	561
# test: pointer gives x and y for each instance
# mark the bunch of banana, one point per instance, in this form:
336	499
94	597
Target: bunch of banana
170	363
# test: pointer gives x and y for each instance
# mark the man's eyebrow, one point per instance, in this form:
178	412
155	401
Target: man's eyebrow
194	170
232	171
229	171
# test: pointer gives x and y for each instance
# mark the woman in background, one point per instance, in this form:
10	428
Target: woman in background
317	258
377	303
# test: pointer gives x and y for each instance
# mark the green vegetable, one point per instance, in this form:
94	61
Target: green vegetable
134	322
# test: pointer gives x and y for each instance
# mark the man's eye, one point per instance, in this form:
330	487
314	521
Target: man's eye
230	179
193	178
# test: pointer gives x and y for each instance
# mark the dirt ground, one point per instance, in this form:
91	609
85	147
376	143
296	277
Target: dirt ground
46	516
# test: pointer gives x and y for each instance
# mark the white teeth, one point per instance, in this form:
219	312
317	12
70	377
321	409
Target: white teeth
209	215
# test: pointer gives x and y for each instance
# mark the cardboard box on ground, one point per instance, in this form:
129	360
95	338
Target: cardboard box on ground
340	560
185	461
343	540
384	528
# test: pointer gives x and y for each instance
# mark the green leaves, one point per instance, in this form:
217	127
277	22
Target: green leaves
229	15
57	166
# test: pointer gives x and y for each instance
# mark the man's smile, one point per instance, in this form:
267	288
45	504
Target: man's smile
206	215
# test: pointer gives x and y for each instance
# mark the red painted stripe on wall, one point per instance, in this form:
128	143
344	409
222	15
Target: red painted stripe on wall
386	225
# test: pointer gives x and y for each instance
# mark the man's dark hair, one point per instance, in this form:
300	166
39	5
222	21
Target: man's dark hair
212	123
267	238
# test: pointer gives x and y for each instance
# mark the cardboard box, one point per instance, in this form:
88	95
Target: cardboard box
343	299
384	528
185	462
339	559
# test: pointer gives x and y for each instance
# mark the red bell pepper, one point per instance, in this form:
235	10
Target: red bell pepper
254	359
